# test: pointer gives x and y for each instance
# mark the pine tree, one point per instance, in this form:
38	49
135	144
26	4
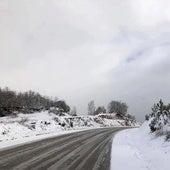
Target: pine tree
160	118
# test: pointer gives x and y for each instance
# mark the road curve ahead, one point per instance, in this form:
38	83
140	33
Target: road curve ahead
87	150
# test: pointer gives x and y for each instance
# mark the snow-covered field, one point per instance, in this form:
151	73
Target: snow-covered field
138	149
28	127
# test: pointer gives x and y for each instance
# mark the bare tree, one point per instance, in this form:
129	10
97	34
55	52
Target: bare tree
27	102
73	112
117	107
100	109
91	108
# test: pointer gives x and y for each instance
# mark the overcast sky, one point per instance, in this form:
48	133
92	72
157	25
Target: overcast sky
81	50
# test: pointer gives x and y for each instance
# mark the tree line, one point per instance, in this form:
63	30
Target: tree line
27	102
117	107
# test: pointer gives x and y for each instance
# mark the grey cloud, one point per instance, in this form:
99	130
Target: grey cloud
84	50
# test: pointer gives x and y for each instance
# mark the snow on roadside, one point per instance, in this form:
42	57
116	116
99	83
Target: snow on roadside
34	137
138	149
28	127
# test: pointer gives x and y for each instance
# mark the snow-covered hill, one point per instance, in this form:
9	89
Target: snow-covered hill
24	126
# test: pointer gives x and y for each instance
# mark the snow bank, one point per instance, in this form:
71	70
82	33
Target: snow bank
28	127
138	149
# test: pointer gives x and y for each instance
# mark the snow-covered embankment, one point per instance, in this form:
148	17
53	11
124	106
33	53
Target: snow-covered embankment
30	127
138	149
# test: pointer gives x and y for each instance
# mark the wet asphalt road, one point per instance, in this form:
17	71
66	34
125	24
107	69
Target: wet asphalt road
87	150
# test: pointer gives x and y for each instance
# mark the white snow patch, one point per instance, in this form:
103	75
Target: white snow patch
138	149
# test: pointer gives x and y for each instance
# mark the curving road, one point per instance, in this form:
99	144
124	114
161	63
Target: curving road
87	150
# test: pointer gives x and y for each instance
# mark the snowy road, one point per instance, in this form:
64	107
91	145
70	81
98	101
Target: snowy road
87	150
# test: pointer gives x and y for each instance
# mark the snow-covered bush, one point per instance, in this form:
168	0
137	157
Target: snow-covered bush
23	120
160	119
